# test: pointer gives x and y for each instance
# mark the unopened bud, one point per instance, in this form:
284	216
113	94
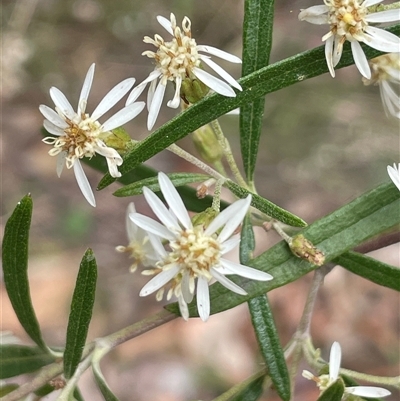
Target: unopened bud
304	249
119	140
204	218
193	90
207	144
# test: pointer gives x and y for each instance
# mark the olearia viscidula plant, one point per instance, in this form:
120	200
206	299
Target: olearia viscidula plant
185	250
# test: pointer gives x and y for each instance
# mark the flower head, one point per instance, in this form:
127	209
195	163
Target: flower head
394	174
350	20
194	254
79	134
324	381
139	247
180	62
386	73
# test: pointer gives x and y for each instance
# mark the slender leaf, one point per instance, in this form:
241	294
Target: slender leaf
7	388
15	267
81	313
77	395
371	269
266	206
257	43
251	392
102	384
370	214
334	392
261	82
19	359
268	340
178	179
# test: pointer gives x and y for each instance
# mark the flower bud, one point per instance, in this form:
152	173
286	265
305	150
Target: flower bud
207	144
204	218
119	140
304	249
193	90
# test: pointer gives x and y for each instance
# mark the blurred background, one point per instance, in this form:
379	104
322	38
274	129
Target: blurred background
325	141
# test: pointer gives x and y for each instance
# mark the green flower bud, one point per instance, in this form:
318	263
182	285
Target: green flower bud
207	144
304	249
119	140
193	90
204	218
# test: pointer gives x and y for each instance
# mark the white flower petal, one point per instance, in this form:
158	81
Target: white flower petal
244	271
165	23
230	244
131	227
150	93
185	287
87	84
126	114
369	3
384	16
160	210
390	99
203	298
334	361
176	101
159	281
236	211
62	103
214	83
360	59
394	174
155	105
157	246
52	116
222	73
329	55
113	97
315	15
174	200
136	92
53	129
60	163
230	285
83	183
183	309
337	51
231	217
382	40
219	53
151	226
368	391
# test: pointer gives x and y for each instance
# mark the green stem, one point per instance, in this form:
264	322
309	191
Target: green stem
386	381
228	153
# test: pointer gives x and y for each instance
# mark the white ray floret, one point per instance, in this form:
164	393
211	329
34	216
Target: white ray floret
350	20
324	381
195	254
386	73
140	248
177	60
394	174
79	134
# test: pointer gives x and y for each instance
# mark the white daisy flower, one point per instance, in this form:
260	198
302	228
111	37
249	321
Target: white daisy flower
394	174
349	20
386	74
194	252
139	247
180	60
324	381
79	134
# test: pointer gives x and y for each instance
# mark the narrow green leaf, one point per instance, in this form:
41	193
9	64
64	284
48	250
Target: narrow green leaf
77	395
257	43
261	82
15	267
81	313
19	359
334	392
102	384
268	340
372	213
266	206
178	179
251	392
371	269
